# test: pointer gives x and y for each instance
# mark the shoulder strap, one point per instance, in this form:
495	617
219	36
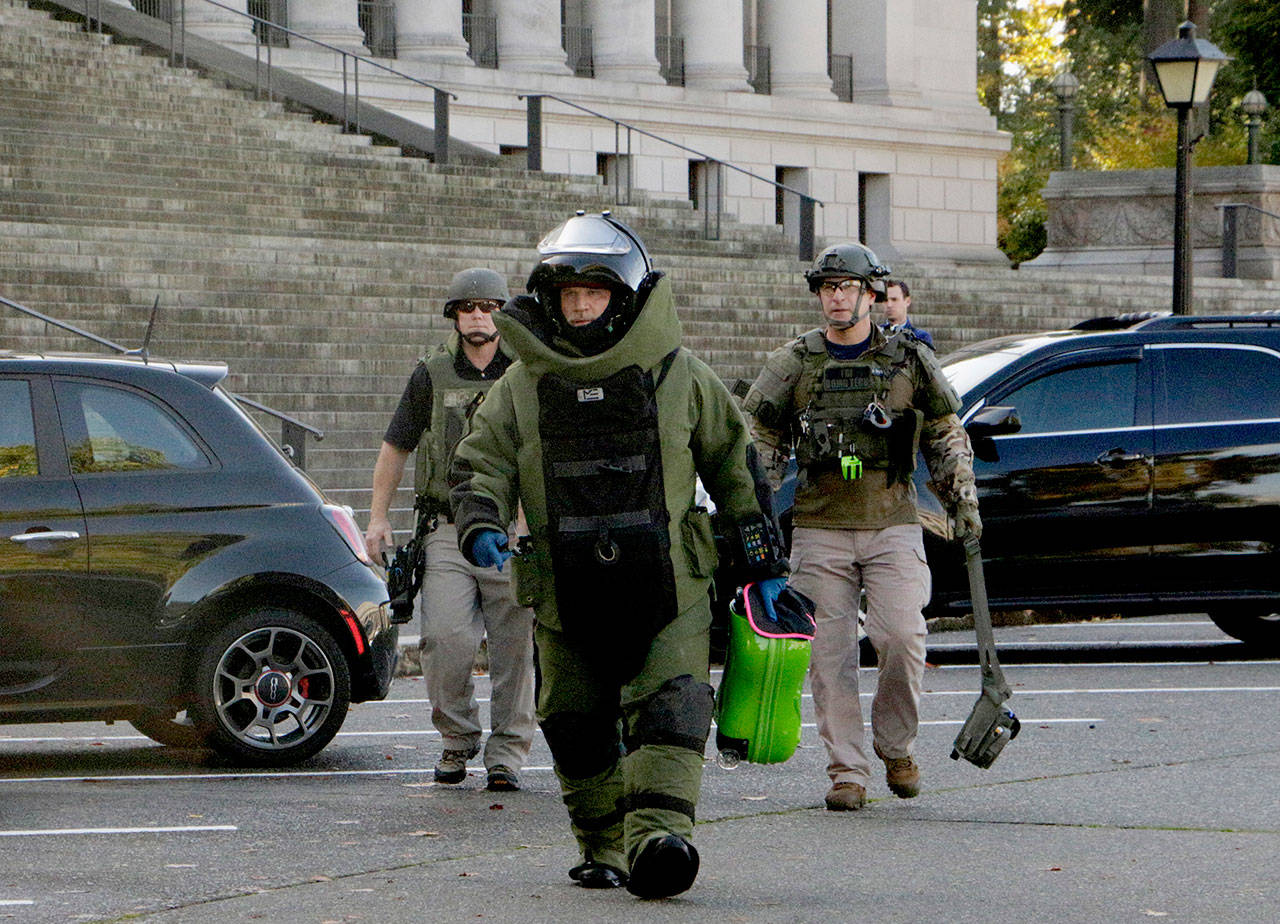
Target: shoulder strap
665	367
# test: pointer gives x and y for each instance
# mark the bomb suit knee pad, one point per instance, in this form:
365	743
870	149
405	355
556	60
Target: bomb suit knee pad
677	715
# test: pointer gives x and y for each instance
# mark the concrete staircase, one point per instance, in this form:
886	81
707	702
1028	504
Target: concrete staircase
314	262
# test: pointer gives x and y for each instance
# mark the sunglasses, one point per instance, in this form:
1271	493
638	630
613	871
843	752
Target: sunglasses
468	307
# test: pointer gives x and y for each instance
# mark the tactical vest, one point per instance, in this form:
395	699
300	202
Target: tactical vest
849	418
607	516
453	398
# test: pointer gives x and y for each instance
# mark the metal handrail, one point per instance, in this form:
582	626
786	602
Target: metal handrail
293	432
1230	245
350	81
807	201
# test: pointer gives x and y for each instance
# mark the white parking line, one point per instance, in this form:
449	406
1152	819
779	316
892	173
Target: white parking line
16	901
183	829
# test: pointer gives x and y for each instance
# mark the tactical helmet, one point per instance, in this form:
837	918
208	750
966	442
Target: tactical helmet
475	283
591	250
848	260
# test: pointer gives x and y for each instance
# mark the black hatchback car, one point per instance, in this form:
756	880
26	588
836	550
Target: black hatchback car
1127	465
163	562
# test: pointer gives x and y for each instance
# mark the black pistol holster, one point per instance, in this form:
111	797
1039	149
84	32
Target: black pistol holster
409	563
991	725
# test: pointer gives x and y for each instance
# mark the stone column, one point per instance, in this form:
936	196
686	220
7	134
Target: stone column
529	36
331	21
880	35
796	33
712	33
211	22
430	30
622	44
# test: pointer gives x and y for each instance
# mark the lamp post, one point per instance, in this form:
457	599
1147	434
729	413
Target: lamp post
1065	86
1254	105
1185	68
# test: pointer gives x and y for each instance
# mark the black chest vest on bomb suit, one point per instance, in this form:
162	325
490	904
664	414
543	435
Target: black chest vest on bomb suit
607	516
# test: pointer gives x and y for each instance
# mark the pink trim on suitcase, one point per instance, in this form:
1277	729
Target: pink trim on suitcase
746	604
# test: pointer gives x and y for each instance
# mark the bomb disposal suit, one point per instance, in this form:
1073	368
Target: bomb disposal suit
600	429
855	406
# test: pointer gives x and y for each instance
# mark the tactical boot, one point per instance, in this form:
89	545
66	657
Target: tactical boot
846	797
665	866
502	778
902	775
594	875
452	766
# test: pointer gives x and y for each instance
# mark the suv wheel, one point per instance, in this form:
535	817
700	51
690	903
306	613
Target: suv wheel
1254	626
272	688
167	728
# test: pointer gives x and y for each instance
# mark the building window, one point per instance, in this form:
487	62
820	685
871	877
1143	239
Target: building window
576	41
756	59
840	67
275	12
377	20
481	35
670	51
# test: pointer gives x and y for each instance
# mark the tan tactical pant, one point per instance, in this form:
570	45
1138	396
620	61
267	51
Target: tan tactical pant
833	566
462	604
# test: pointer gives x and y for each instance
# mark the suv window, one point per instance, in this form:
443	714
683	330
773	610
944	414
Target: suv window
1097	396
17	430
113	430
1203	384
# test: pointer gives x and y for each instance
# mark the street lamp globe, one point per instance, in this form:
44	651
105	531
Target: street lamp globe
1185	67
1065	85
1254	103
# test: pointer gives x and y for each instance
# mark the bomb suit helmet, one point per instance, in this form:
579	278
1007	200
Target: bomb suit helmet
478	283
849	260
598	251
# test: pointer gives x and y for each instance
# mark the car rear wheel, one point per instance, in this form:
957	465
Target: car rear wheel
272	689
1258	627
175	730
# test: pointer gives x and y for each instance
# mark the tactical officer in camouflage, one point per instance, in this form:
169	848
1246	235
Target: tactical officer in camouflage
855	406
601	429
461	603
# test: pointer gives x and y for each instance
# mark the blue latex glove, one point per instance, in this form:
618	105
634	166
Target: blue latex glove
770	588
489	548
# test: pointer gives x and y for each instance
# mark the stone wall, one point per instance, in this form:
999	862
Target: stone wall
1121	221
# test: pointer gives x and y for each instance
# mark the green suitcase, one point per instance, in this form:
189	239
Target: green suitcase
758	703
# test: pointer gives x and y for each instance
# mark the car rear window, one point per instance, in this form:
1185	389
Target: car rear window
114	430
17	430
1203	384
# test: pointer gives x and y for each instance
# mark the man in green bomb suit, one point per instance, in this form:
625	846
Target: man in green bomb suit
601	429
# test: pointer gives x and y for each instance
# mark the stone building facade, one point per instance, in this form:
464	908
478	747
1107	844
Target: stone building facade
868	106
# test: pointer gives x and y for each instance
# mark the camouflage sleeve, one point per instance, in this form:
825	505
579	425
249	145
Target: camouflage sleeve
768	410
947	452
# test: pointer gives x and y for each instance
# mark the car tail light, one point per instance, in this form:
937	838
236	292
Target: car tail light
345	524
356	634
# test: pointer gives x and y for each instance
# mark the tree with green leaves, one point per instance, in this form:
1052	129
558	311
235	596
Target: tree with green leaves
1121	121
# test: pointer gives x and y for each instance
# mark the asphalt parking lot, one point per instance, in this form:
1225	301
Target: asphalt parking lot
1142	786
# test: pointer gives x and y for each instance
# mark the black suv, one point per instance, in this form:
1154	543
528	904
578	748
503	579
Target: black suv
161	561
1129	465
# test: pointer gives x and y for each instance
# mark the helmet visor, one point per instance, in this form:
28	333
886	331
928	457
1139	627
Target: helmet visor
585	236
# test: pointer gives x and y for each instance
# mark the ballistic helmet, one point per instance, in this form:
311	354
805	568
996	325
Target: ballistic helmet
475	283
843	261
591	250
